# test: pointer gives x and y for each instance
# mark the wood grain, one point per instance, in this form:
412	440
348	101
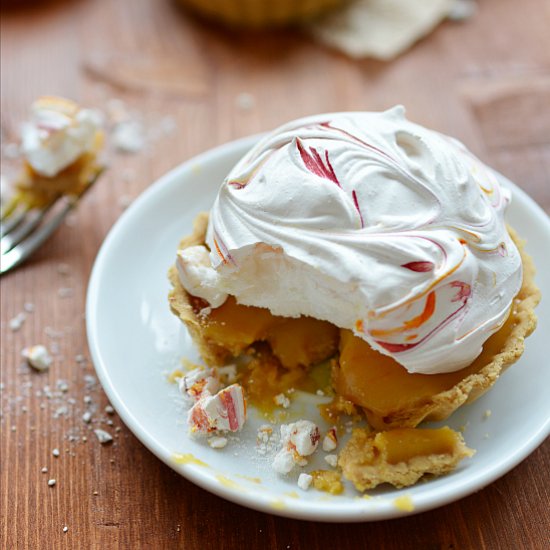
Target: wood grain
486	81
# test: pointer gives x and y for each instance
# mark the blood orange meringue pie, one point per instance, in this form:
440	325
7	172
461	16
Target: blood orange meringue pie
370	239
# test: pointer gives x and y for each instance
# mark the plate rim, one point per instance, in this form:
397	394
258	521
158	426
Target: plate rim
304	510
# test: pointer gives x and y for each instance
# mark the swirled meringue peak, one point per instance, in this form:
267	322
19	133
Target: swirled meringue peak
375	224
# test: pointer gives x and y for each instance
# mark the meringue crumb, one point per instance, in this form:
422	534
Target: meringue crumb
298	440
283	463
461	10
245	101
282	400
124	201
264	439
65	529
17	322
37	357
330	441
116	110
55	452
331	460
223	411
217	442
103	436
87	417
302	436
65	292
64	269
109	410
44	470
128	136
51	482
304	481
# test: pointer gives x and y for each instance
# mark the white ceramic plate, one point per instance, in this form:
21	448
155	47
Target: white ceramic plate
135	341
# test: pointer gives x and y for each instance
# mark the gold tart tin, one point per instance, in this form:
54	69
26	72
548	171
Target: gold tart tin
261	13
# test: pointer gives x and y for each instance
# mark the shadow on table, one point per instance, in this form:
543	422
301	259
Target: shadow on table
24	7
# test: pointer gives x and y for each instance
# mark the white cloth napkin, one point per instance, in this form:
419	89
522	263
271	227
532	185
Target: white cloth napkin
383	29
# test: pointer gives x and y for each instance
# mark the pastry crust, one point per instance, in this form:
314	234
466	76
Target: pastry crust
261	13
181	302
441	405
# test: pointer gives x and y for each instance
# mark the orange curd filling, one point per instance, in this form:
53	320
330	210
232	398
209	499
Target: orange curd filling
403	444
295	342
362	375
382	386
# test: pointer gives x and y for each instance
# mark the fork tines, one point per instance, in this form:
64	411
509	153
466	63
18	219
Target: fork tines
24	229
21	224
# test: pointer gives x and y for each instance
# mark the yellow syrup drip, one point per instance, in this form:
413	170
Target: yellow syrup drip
404	503
188	458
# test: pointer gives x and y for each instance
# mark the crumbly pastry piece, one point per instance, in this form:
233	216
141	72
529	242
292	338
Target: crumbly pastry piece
61	144
329	481
400	457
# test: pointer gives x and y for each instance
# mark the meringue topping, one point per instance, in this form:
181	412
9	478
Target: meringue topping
374	224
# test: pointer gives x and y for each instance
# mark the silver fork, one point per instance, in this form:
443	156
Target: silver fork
24	230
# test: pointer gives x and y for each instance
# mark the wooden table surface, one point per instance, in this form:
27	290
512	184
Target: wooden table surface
485	81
